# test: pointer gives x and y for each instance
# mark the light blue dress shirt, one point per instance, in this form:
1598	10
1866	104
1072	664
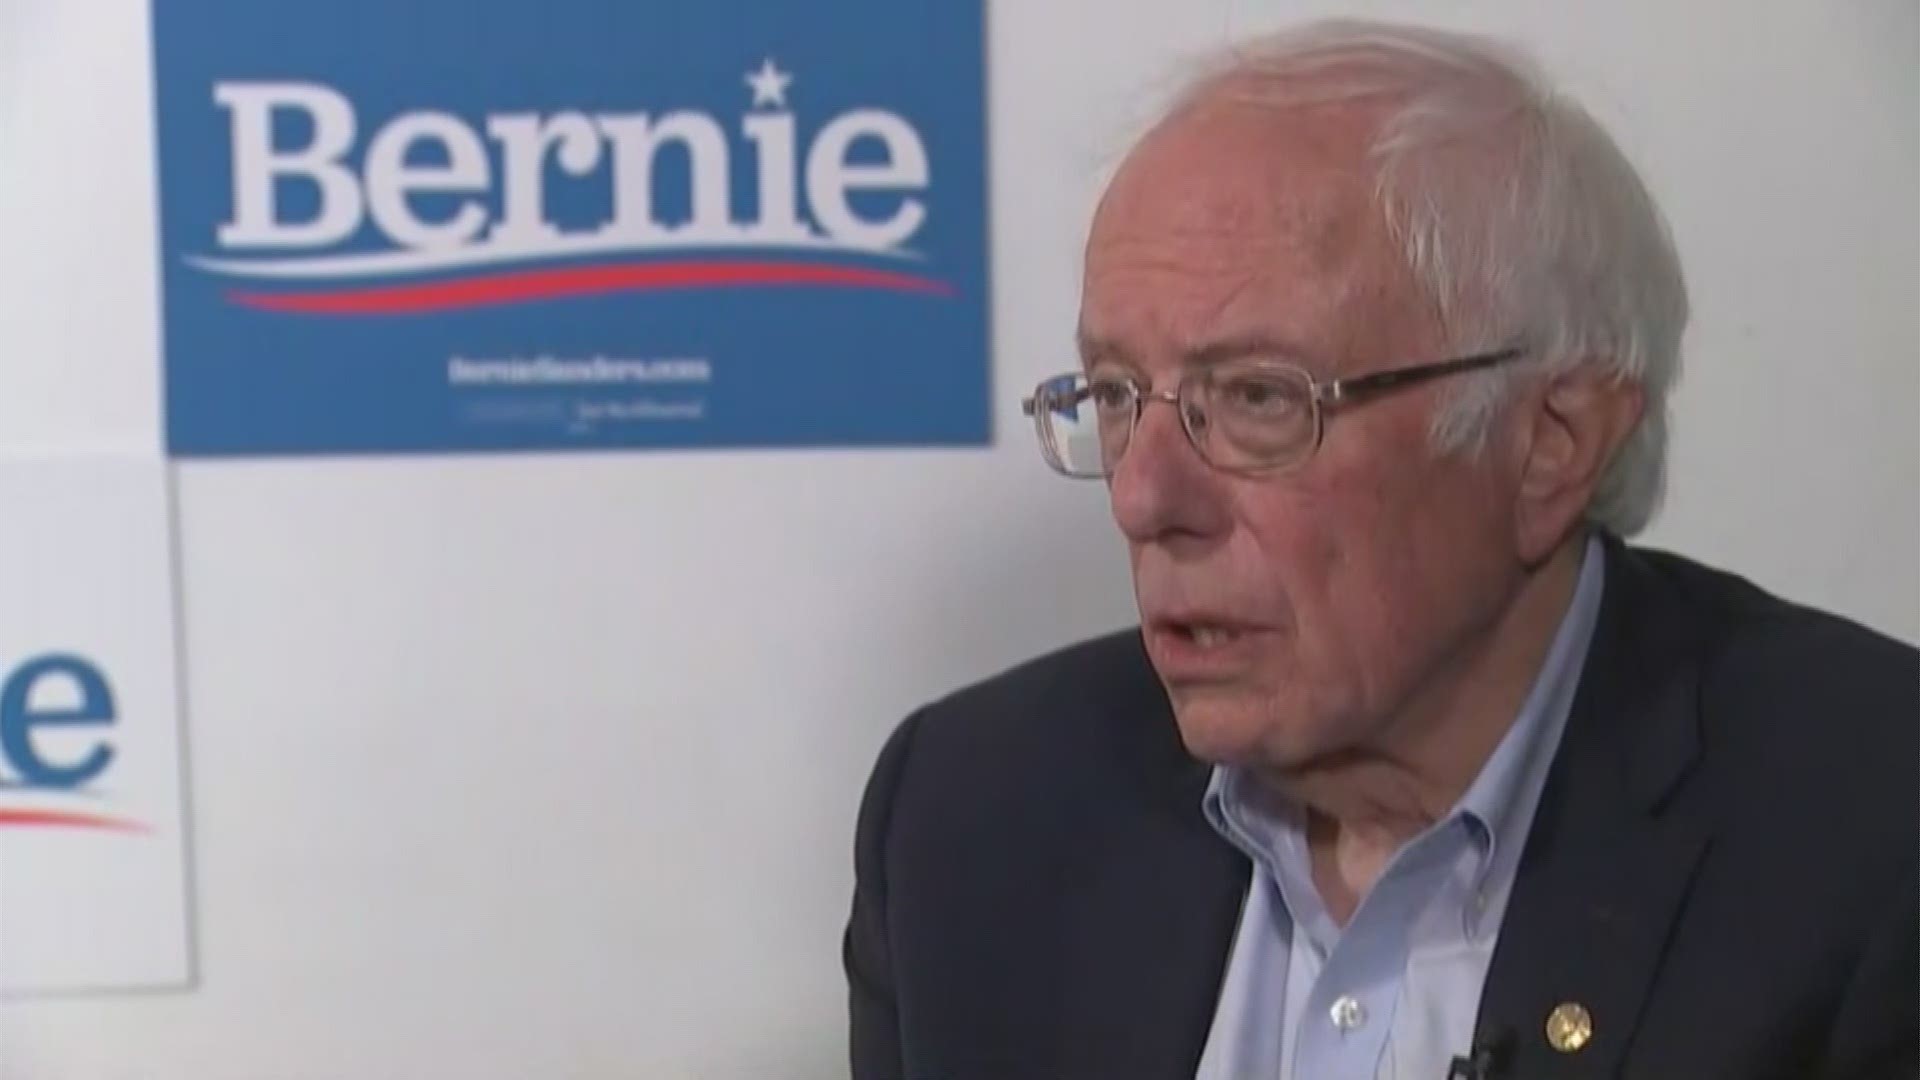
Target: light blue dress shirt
1393	995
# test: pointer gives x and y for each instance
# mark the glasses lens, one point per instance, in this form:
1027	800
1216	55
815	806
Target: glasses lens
1255	417
1084	423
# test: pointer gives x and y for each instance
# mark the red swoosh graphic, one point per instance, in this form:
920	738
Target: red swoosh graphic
582	281
66	819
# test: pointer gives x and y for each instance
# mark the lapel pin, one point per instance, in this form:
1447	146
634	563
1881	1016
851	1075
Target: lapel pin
1569	1027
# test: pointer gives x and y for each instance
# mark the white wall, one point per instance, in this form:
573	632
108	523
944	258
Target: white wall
545	766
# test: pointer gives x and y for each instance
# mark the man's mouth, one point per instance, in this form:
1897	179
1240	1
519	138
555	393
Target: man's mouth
1207	635
1201	645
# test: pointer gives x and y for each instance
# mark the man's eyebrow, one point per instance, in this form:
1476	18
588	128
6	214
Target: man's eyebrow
1240	348
1094	350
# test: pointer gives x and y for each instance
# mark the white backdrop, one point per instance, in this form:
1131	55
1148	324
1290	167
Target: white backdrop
542	767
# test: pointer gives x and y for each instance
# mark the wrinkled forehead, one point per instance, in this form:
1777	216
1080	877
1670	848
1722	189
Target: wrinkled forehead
1234	168
1232	216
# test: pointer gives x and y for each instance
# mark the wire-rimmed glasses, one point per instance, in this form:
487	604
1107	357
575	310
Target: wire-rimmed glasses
1251	415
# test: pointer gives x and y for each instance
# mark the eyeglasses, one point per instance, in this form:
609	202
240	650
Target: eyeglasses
1242	416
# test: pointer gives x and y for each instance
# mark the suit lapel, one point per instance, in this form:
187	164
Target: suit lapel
1149	931
1146	972
1611	855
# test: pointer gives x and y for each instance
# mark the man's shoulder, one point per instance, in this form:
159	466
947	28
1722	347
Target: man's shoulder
1092	668
1049	704
1792	699
1761	644
1080	732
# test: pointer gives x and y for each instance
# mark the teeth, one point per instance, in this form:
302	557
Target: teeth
1209	636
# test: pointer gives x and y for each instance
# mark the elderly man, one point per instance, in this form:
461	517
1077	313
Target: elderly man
1413	768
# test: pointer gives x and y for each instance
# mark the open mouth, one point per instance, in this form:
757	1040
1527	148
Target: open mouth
1203	634
1198	636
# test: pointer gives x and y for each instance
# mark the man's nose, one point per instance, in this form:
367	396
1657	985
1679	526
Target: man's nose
1162	487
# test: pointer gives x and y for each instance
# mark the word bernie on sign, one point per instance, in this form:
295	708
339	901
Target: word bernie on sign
513	151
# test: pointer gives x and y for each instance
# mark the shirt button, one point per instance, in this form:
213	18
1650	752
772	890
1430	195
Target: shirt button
1347	1013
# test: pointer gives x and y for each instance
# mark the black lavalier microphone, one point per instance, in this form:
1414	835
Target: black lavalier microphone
1488	1058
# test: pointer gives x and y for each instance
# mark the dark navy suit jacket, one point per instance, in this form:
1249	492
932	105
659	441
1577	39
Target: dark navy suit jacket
1722	868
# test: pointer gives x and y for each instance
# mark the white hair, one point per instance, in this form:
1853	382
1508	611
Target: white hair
1515	211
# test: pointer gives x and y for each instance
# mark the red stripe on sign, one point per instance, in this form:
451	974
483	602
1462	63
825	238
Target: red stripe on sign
62	819
583	281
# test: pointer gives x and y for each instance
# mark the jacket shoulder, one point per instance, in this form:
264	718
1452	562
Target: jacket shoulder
1100	673
1051	718
1078	739
1774	655
1807	706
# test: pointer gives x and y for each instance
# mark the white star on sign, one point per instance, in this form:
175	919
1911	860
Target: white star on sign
769	85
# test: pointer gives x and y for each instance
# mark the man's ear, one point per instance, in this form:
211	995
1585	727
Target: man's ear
1577	422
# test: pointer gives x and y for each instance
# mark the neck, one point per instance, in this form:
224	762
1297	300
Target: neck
1365	804
1378	796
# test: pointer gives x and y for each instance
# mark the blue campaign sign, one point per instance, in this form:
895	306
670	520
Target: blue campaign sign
452	225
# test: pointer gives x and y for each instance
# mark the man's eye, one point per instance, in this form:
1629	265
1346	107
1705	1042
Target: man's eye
1110	394
1256	395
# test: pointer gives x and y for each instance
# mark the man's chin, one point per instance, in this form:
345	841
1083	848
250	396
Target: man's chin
1222	732
1223	729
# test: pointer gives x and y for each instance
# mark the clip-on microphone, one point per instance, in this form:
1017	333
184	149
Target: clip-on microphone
1487	1060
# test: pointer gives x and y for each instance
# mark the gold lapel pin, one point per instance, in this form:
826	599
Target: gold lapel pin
1569	1027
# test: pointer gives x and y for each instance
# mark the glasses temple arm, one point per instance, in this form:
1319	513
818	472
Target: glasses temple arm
1380	381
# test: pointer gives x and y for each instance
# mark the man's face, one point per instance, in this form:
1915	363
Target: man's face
1293	616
